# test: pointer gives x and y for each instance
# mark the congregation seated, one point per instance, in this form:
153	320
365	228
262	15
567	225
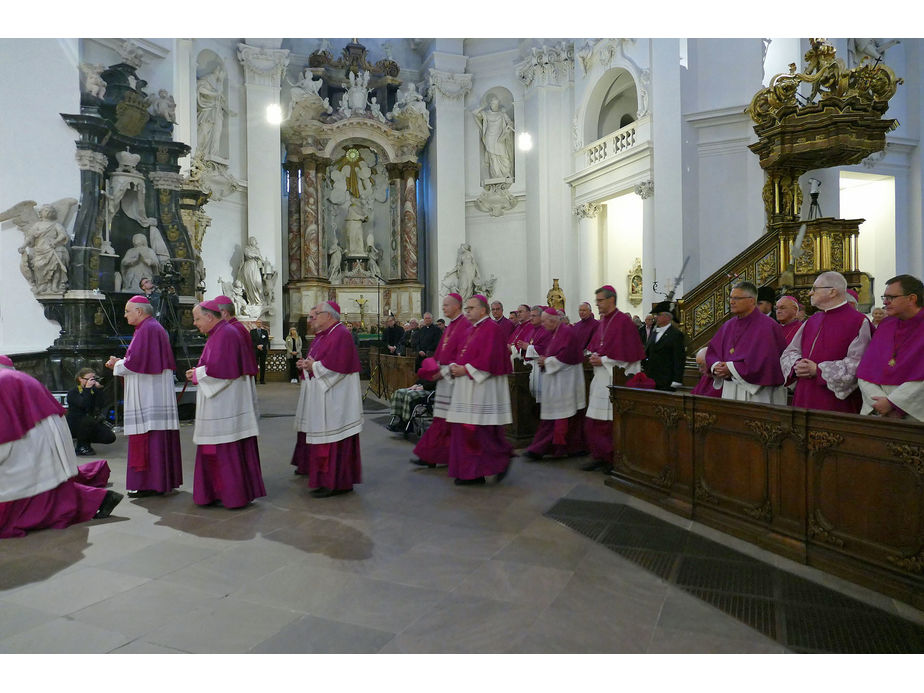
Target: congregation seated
83	413
41	485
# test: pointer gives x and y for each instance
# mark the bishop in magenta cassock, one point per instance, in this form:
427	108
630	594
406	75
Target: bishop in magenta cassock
521	332
227	457
823	356
561	416
503	322
39	476
744	355
706	385
615	343
535	348
433	447
787	310
586	326
329	416
151	423
891	372
480	406
226	306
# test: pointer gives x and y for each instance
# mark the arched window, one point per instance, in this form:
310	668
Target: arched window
619	104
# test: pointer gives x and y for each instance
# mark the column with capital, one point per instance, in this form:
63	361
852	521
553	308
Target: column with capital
293	219
263	70
547	77
645	190
446	88
588	243
313	252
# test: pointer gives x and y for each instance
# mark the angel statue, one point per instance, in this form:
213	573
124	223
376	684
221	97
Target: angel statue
45	253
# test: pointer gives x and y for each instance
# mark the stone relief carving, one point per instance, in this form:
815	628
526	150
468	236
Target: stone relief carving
645	189
131	54
45	249
305	97
356	98
465	278
577	137
548	66
410	112
587	210
262	66
451	85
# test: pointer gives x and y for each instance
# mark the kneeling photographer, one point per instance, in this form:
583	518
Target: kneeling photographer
83	416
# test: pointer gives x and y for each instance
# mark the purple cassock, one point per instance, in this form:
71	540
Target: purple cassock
44	492
479	450
585	328
895	354
155	460
826	336
754	344
335	465
506	326
562	437
790	329
228	472
433	446
706	387
540	339
616	337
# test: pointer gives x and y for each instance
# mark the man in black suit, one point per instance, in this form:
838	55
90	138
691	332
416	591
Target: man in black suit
428	338
261	344
645	330
392	337
665	351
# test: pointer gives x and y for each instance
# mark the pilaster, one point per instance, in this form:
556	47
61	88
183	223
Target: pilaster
263	70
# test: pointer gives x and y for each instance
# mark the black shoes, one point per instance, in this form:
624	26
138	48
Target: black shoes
594	465
84	450
328	492
477	481
421	463
398	427
110	501
144	493
532	455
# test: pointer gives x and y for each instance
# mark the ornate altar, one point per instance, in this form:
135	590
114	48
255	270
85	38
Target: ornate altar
131	223
352	138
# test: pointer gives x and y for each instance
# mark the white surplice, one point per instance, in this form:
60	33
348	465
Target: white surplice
150	401
563	389
330	406
224	409
598	403
39	461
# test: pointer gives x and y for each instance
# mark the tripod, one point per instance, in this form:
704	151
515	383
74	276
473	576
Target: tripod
376	377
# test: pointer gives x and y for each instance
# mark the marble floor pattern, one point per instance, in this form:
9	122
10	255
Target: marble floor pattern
408	563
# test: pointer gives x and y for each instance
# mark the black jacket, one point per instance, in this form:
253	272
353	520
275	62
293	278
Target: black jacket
393	336
666	358
428	338
260	336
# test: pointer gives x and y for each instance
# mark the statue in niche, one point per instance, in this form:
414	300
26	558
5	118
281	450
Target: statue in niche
93	83
162	106
212	109
357	92
139	262
334	262
353	231
45	253
251	273
496	139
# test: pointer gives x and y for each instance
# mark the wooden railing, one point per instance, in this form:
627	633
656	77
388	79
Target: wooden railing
841	492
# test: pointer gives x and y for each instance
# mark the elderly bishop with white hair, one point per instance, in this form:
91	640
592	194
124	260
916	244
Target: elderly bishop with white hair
823	355
151	422
227	457
329	416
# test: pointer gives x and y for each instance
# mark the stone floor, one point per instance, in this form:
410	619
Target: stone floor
407	563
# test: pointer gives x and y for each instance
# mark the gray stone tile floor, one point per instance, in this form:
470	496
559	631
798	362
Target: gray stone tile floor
407	563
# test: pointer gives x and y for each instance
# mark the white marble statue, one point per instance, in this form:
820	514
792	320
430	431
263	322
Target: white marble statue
308	89
409	101
163	105
212	107
374	254
334	262
251	273
140	261
497	134
465	278
355	100
45	253
873	49
353	231
237	297
376	109
93	83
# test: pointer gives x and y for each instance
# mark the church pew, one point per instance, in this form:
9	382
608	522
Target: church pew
840	492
